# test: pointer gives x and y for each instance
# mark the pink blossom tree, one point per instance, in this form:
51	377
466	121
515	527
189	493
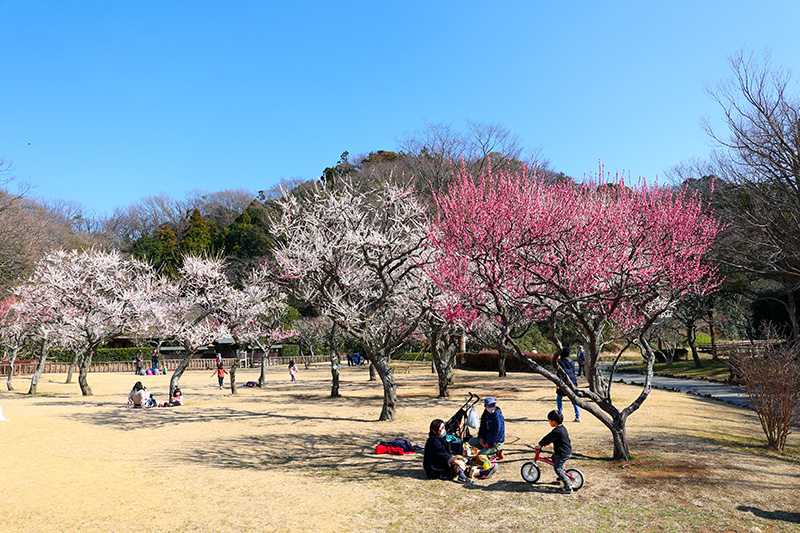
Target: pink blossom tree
357	256
514	247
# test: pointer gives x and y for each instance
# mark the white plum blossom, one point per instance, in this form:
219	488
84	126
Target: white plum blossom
358	257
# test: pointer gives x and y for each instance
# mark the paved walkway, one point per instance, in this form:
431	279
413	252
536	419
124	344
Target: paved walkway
722	392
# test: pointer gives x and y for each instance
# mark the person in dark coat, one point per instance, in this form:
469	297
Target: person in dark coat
562	448
437	460
568	366
492	431
154	360
581	361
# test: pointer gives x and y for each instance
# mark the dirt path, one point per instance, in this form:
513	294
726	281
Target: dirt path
721	392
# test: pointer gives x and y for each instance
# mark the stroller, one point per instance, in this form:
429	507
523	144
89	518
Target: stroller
458	435
464	418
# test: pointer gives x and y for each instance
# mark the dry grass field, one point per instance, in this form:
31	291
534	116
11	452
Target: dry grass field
288	458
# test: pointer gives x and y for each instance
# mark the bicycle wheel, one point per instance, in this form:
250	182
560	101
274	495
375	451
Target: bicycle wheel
530	472
576	478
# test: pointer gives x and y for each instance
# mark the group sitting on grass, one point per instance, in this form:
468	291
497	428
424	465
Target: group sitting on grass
447	456
140	398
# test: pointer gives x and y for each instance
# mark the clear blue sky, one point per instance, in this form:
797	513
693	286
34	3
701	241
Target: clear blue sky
120	100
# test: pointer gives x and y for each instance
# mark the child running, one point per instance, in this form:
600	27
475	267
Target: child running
220	373
562	448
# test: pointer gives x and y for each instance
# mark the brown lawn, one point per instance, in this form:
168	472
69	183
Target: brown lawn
290	459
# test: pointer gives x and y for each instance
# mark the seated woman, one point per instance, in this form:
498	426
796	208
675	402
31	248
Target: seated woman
138	396
438	461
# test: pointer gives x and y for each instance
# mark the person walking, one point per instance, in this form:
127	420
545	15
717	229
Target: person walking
154	360
581	361
568	366
292	371
220	373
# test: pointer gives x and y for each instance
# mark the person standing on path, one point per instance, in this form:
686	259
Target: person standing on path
292	371
566	364
154	360
581	360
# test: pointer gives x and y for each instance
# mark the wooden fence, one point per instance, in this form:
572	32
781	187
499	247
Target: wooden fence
27	367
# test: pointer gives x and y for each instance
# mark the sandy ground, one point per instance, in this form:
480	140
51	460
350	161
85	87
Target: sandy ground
288	458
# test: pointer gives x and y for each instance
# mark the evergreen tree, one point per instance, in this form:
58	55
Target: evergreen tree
197	239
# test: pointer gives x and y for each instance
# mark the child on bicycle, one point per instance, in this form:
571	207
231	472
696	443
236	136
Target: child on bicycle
562	448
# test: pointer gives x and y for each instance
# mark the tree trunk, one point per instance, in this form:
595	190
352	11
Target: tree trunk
501	362
712	332
335	362
691	339
335	365
262	376
445	378
443	346
37	373
10	376
232	374
371	371
389	387
791	310
72	367
83	372
621	450
174	381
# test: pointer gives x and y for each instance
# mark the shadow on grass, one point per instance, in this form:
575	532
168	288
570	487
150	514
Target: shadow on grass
345	456
132	419
783	516
519	486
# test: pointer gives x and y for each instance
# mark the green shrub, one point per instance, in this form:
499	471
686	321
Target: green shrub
702	338
413	356
290	350
534	339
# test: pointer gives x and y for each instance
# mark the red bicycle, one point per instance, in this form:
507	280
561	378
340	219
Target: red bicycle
531	472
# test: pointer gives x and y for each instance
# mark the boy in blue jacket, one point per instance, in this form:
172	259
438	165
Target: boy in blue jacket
492	432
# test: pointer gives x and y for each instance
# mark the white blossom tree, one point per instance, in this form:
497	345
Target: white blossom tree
187	310
322	330
36	322
358	256
92	292
254	314
15	333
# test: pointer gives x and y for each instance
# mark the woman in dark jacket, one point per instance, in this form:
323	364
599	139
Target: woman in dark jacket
438	462
568	367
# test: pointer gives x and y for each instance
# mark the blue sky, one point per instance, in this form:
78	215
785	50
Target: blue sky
106	102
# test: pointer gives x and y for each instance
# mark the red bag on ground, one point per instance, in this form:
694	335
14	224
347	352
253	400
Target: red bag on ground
382	449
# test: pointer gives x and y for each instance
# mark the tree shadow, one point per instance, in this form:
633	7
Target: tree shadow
520	486
345	456
126	419
783	516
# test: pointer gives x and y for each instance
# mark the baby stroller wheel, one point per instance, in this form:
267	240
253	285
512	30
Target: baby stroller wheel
576	478
531	473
